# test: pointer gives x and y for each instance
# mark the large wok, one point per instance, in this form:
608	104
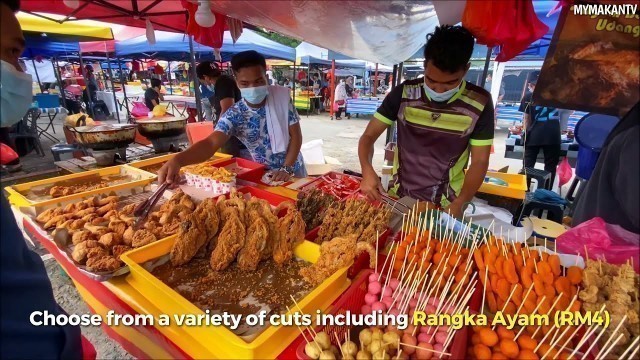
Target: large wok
168	126
103	137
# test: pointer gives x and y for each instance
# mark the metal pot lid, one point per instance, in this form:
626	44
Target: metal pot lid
104	128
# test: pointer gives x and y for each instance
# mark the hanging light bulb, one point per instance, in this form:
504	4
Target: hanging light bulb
204	17
74	4
151	35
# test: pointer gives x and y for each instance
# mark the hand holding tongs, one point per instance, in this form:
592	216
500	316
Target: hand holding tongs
394	203
142	210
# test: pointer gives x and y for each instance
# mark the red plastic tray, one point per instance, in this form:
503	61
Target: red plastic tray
273	199
362	261
333	175
244	169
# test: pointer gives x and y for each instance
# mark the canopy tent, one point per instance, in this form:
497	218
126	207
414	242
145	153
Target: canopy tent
37	46
174	46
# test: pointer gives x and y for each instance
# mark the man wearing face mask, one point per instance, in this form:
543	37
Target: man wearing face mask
443	124
265	121
24	285
223	88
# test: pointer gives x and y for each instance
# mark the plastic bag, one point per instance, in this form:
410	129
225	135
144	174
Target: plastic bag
139	109
602	241
564	171
159	110
7	155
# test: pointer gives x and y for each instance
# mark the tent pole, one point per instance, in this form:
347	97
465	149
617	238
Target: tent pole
196	83
375	83
37	76
59	78
392	84
294	85
113	88
308	102
169	77
487	60
86	87
332	84
124	91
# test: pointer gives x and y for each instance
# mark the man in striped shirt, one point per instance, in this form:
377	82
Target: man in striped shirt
444	124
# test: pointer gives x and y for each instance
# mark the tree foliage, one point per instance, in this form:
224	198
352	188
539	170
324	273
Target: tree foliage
281	39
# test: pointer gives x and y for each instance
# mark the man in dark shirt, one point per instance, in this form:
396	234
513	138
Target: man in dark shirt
152	96
542	131
612	191
225	89
442	121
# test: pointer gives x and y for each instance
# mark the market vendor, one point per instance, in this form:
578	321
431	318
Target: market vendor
152	95
223	87
442	121
264	120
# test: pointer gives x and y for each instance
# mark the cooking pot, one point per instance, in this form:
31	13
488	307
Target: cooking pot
167	126
105	136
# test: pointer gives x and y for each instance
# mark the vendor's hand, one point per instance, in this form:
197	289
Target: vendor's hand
279	175
371	186
455	209
169	172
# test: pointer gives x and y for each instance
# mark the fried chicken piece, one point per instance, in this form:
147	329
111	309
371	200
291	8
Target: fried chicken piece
142	237
85	212
113	214
80	236
118	226
257	237
187	202
107	200
48	214
101	211
128	209
77	224
235	202
207	212
230	240
334	255
291	228
189	240
96	252
118	250
264	209
56	220
56	191
99	221
103	264
69	208
110	239
127	237
79	253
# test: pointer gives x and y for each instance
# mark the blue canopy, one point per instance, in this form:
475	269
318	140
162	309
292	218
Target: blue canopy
42	46
173	46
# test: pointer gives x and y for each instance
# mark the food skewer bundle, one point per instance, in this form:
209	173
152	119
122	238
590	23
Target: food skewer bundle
354	217
313	205
237	229
616	287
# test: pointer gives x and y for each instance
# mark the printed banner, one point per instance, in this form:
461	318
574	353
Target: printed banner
593	60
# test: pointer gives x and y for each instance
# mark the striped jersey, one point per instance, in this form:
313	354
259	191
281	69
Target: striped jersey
434	138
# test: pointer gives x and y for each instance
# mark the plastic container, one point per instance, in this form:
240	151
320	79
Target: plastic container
516	188
152	163
220	340
244	169
334	176
139	178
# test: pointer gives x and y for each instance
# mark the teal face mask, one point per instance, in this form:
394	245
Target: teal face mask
16	94
255	95
440	97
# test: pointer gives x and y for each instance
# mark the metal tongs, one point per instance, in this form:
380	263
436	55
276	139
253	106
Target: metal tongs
142	210
402	208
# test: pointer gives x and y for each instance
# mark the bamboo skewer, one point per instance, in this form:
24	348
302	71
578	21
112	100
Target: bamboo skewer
535	310
633	343
555	341
505	304
604	356
422	348
608	340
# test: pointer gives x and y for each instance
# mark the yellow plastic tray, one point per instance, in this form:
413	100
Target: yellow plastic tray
17	199
516	189
220	340
141	164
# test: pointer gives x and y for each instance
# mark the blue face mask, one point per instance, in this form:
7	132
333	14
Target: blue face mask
440	97
16	93
255	95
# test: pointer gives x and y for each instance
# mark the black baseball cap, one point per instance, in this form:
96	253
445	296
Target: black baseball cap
533	76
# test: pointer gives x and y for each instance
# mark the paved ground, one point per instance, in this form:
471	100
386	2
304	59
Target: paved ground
340	141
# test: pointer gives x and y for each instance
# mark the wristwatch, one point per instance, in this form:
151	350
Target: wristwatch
288	169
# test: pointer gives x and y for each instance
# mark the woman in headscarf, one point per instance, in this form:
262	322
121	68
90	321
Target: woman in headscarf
340	99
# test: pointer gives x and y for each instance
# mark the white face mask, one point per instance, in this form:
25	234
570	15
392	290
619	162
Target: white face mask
16	93
255	95
440	97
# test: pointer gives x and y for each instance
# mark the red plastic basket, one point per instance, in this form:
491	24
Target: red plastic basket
332	175
244	169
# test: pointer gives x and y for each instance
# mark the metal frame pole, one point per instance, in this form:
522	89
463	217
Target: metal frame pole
485	71
113	88
375	83
294	84
124	90
56	72
196	83
308	79
37	76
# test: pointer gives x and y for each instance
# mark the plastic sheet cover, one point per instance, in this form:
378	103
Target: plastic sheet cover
386	32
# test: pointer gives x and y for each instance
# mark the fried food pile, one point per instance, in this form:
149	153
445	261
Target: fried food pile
247	231
101	231
617	286
59	191
207	169
354	217
334	255
313	205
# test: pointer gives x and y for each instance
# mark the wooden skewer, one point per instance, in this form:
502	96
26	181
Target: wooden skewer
523	299
535	310
484	287
303	336
604	356
586	254
338	343
564	345
302	312
590	331
555	341
551	309
422	348
505	304
608	340
633	354
385	261
377	238
629	348
553	330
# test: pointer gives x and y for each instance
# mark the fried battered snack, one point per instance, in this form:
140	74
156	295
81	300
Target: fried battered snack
142	237
189	240
313	205
80	236
80	251
110	239
230	241
259	207
257	238
128	209
96	252
118	226
334	255
58	191
103	264
291	228
127	237
118	250
48	214
354	217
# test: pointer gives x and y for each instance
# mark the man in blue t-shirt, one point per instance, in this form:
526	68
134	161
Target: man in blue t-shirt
542	131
